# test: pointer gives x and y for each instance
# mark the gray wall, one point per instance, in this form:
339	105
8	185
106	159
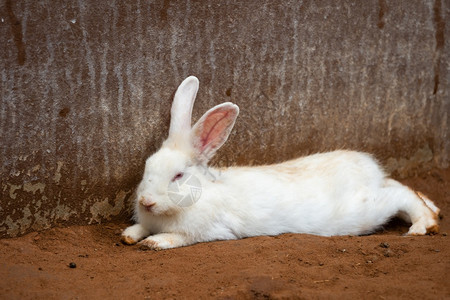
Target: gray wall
86	88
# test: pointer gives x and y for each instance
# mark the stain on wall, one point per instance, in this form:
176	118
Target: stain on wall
86	88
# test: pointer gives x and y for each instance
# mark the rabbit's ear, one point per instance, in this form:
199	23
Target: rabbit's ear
181	112
213	129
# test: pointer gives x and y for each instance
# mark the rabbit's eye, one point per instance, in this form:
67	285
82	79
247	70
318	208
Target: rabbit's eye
178	176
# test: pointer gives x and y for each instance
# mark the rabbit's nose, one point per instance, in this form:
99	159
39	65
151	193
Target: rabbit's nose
147	203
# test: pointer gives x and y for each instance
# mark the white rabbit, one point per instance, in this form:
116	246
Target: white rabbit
334	193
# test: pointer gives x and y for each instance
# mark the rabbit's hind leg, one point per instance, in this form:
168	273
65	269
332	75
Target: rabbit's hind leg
413	207
431	226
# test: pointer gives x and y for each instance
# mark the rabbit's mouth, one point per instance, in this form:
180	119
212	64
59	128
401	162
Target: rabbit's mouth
147	208
154	210
147	205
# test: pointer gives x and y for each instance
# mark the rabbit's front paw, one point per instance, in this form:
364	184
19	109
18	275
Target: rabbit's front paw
133	234
149	244
127	240
163	241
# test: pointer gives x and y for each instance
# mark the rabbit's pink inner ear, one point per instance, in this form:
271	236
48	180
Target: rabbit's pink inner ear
213	127
213	130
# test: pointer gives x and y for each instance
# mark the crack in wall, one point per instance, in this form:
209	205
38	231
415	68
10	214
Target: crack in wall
439	24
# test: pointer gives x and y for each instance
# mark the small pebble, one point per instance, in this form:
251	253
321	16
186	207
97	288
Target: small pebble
384	245
444	233
72	265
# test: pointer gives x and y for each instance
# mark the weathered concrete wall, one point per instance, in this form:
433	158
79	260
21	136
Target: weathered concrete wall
86	88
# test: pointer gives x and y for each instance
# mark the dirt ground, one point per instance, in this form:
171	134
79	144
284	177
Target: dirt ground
379	266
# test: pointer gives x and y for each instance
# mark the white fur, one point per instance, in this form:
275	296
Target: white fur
334	193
